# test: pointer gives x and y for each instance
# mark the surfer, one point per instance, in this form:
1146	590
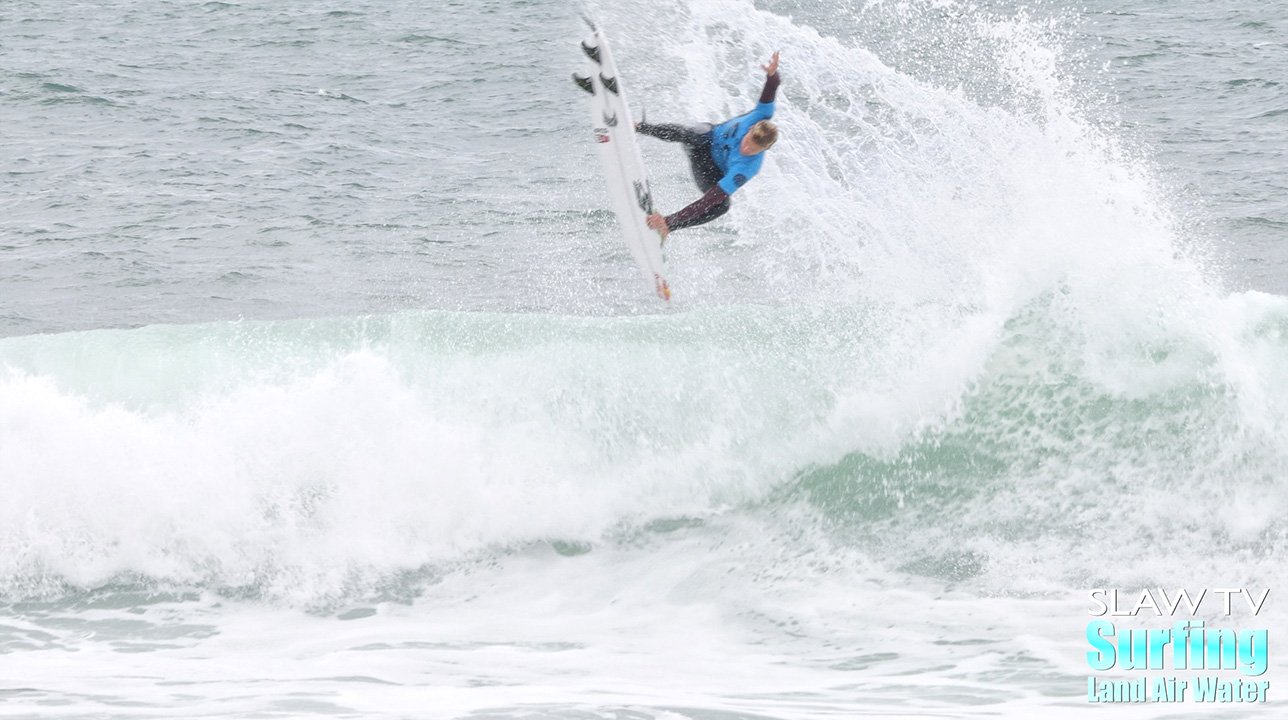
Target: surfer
723	157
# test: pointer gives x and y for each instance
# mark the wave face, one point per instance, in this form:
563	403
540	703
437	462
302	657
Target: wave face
307	460
299	457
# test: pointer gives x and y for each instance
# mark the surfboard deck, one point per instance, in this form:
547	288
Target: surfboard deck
619	154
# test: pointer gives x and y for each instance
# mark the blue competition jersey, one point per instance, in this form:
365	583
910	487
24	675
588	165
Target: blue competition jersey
726	139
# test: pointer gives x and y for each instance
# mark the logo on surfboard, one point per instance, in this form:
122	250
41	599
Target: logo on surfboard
663	290
644	197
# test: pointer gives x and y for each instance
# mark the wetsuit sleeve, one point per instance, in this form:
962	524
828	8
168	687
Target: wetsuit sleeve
699	211
771	89
765	108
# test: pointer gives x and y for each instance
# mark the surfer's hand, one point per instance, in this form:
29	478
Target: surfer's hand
772	67
658	222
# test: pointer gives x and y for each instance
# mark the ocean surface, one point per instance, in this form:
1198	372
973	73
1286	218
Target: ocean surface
328	388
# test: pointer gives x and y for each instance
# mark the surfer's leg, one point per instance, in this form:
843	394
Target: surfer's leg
705	172
676	133
697	145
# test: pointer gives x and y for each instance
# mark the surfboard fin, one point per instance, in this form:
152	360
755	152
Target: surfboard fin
609	83
583	83
591	52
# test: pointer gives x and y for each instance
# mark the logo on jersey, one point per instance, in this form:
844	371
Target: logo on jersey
610	121
739	180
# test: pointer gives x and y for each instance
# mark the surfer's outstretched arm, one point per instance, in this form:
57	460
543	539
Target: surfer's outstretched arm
771	80
712	204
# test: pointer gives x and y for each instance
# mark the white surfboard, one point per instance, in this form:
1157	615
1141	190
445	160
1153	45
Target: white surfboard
620	155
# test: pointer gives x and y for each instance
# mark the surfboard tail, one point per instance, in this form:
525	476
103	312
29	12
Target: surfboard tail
663	288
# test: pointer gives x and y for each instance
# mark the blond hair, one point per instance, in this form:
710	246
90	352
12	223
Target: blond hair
764	134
